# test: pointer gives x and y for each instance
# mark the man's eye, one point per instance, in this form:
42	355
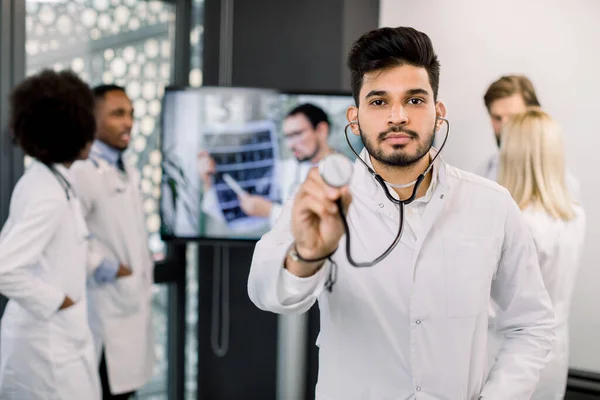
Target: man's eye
415	102
377	102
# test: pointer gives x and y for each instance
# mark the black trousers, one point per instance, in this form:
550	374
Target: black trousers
106	395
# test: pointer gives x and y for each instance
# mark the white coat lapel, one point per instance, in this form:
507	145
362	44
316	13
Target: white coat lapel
115	180
436	204
365	186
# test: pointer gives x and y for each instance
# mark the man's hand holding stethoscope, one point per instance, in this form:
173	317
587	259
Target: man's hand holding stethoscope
317	225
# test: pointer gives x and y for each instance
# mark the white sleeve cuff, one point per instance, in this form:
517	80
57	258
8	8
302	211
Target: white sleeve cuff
293	289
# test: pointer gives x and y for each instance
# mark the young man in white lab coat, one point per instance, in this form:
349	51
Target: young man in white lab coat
46	346
122	268
305	131
415	324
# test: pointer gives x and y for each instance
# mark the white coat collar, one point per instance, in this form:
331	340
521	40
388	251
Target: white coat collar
103	166
104	151
364	182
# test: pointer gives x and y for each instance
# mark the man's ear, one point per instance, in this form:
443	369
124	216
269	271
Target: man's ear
352	117
322	128
440	111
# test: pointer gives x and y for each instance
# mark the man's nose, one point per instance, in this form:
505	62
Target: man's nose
128	122
397	116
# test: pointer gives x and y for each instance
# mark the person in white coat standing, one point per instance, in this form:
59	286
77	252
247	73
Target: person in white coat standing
504	98
120	285
413	324
532	168
46	346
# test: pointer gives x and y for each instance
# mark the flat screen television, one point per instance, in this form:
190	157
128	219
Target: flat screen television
220	144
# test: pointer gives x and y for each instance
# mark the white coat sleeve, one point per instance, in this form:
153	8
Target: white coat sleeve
22	247
526	317
273	288
276	209
85	182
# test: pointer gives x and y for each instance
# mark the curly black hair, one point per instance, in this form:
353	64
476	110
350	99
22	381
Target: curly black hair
52	116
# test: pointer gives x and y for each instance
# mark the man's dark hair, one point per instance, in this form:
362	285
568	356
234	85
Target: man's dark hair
101	90
510	85
52	116
314	114
390	47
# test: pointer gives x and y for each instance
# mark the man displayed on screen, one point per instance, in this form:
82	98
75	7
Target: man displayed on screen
305	131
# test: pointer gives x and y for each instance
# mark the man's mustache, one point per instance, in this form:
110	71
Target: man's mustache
398	129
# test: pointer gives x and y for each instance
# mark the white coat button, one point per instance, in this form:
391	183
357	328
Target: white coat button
380	205
418	388
418	322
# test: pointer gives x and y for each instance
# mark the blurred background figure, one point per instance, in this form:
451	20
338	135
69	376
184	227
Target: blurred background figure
122	268
532	168
508	96
46	347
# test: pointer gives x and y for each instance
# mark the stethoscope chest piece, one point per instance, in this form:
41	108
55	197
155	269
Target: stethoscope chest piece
336	170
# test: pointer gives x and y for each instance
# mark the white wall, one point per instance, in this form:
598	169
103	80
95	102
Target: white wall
556	43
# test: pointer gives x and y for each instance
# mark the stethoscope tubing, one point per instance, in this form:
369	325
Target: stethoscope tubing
401	203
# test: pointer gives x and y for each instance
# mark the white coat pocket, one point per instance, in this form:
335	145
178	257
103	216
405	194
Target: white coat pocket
70	332
129	293
469	264
73	322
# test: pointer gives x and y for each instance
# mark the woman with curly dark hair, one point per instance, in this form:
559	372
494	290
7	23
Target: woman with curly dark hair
46	347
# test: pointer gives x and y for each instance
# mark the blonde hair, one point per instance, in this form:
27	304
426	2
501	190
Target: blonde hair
532	163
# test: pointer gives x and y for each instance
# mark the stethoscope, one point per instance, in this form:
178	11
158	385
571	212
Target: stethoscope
71	195
336	171
64	183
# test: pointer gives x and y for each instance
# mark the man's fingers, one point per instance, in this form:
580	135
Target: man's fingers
317	183
314	205
346	200
313	188
315	191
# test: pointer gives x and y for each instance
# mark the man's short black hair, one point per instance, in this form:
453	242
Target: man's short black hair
314	114
101	90
52	116
390	47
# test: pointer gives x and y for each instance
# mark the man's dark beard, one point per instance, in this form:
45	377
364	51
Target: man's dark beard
310	157
397	159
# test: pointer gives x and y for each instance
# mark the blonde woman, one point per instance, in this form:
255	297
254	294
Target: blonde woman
532	168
